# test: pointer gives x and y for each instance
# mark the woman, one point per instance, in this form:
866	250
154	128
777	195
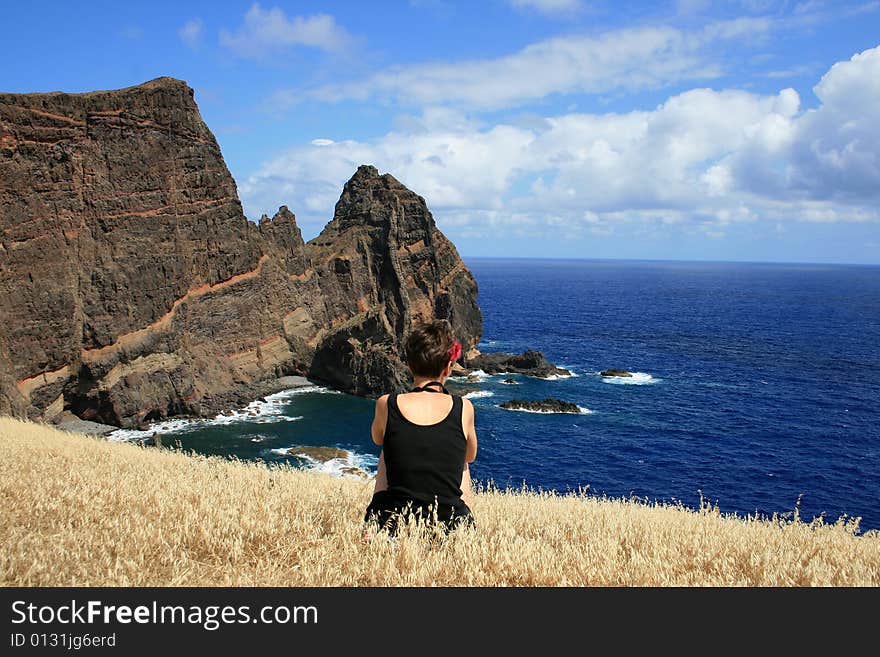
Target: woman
427	437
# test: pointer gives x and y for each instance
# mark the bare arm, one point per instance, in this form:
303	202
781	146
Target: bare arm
380	419
381	476
470	431
467	492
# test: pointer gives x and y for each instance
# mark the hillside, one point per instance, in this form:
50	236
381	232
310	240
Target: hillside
81	511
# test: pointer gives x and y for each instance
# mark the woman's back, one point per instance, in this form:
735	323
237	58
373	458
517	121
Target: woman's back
424	448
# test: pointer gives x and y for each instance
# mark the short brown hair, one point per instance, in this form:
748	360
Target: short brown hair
429	347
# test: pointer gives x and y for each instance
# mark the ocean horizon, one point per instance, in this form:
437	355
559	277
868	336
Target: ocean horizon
753	387
812	263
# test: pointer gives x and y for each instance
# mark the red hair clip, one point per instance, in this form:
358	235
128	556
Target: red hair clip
455	352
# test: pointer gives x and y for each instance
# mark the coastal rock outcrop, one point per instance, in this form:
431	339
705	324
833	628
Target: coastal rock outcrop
542	406
529	363
319	453
382	264
133	287
614	372
325	455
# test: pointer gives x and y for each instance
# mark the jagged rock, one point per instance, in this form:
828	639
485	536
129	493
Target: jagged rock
530	363
613	372
133	287
511	382
320	454
543	406
382	265
352	471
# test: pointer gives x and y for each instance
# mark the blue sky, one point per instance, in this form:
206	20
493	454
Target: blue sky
740	130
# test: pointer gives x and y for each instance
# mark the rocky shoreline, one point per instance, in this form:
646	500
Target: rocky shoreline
530	363
213	406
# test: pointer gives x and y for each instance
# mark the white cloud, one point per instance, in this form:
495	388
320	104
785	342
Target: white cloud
836	148
548	6
192	33
271	31
703	158
626	59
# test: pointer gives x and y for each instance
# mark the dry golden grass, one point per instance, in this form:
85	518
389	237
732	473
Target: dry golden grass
84	512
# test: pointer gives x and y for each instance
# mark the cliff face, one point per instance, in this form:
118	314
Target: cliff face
132	286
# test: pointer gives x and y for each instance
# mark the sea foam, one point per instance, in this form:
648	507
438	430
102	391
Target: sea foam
637	379
348	466
265	410
477	376
555	377
477	394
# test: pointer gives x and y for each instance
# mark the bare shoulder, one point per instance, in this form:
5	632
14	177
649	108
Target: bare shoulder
467	405
383	400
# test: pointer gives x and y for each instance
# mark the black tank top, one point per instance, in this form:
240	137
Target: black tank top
424	462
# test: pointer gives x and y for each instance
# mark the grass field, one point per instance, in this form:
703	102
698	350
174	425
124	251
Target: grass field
80	511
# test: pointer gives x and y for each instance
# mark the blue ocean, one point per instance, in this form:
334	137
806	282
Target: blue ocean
755	386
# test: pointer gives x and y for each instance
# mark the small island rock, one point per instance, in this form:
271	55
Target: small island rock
613	372
321	454
543	406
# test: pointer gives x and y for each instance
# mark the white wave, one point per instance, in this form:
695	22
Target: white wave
582	410
349	465
637	379
473	377
555	377
265	410
178	425
477	394
284	418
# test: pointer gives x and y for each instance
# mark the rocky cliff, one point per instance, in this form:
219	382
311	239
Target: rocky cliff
132	286
382	264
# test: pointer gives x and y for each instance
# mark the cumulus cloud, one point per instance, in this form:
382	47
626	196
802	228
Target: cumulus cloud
621	60
705	158
271	31
836	149
192	33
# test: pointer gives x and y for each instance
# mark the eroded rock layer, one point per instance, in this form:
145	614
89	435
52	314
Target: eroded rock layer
132	286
